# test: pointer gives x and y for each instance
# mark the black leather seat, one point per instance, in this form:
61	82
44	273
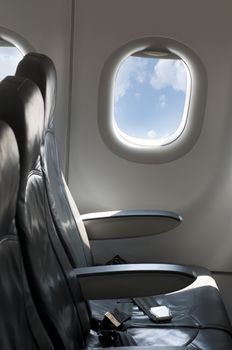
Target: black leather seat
58	290
199	305
20	326
22	103
70	228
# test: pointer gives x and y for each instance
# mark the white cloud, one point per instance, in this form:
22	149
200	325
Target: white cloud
133	68
169	72
8	62
137	95
151	134
163	101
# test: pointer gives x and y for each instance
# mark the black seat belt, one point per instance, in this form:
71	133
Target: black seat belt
111	331
145	304
116	338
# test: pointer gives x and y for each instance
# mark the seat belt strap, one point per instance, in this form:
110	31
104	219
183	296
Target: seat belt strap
126	339
116	338
113	320
126	307
111	330
145	304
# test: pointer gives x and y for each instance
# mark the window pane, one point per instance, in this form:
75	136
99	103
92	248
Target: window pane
151	97
9	59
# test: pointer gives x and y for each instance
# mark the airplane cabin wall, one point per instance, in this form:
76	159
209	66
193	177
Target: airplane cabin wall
46	25
198	185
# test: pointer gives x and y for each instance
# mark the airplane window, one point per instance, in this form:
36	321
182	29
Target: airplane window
9	58
151	98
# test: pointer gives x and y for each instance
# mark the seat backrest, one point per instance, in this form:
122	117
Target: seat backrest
46	264
72	234
20	326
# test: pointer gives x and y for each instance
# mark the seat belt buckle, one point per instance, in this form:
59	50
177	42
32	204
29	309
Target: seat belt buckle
113	319
161	313
110	316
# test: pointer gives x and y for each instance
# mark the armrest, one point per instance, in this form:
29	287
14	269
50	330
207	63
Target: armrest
144	348
129	223
133	280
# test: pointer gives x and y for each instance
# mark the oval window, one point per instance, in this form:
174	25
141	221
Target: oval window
151	97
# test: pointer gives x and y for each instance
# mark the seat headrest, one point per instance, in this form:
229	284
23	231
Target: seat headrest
9	177
21	106
40	69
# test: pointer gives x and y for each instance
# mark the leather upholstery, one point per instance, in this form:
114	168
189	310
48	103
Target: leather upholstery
69	225
65	221
203	339
49	256
20	326
46	269
28	134
9	175
44	76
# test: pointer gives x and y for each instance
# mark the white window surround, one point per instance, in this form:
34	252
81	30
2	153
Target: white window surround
17	40
195	113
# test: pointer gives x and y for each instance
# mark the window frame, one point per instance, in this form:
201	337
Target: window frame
16	40
195	111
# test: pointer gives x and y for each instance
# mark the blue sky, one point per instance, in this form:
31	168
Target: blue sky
9	59
149	96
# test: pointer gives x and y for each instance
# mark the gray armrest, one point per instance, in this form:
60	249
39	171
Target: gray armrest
129	223
131	280
144	348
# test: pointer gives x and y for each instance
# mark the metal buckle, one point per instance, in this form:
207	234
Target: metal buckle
112	319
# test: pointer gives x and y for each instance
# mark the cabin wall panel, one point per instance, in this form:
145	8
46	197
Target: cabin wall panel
46	25
198	185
